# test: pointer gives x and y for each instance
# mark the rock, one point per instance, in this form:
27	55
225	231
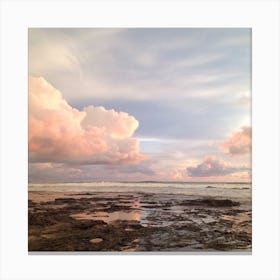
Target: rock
96	240
40	219
86	193
31	203
65	200
87	224
209	202
193	224
220	203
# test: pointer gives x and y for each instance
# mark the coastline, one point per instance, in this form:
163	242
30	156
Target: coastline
137	221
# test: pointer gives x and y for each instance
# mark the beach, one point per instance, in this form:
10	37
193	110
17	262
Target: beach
152	220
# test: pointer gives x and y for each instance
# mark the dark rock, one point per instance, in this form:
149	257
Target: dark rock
209	202
86	193
40	219
31	203
184	227
65	200
87	224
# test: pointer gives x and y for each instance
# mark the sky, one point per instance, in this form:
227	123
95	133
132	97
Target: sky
139	104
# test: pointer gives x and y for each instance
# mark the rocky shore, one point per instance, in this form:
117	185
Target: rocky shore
136	222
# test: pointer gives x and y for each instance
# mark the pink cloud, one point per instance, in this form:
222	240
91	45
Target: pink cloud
213	166
60	133
240	142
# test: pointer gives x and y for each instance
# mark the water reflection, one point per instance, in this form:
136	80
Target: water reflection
109	217
135	214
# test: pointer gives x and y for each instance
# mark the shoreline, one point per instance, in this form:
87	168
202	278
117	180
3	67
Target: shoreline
141	222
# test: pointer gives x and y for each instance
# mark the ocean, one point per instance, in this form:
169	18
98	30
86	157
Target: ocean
226	190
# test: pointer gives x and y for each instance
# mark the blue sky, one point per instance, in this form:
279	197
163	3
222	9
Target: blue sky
188	88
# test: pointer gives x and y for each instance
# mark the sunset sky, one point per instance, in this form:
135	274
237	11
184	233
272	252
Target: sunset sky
139	104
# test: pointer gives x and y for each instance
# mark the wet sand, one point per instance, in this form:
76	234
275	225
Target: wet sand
137	222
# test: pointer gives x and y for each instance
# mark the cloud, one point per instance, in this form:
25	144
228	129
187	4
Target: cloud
213	166
240	142
46	56
61	133
53	172
118	125
187	92
193	118
71	172
133	63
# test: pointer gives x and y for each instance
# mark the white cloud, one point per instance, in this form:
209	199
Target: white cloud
61	133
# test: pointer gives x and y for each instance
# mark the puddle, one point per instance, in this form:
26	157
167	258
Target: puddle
109	217
239	218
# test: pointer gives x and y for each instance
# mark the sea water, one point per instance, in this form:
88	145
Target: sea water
238	191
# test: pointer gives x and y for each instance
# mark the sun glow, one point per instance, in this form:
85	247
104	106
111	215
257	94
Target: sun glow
246	122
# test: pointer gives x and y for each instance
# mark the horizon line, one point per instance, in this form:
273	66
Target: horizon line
145	181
